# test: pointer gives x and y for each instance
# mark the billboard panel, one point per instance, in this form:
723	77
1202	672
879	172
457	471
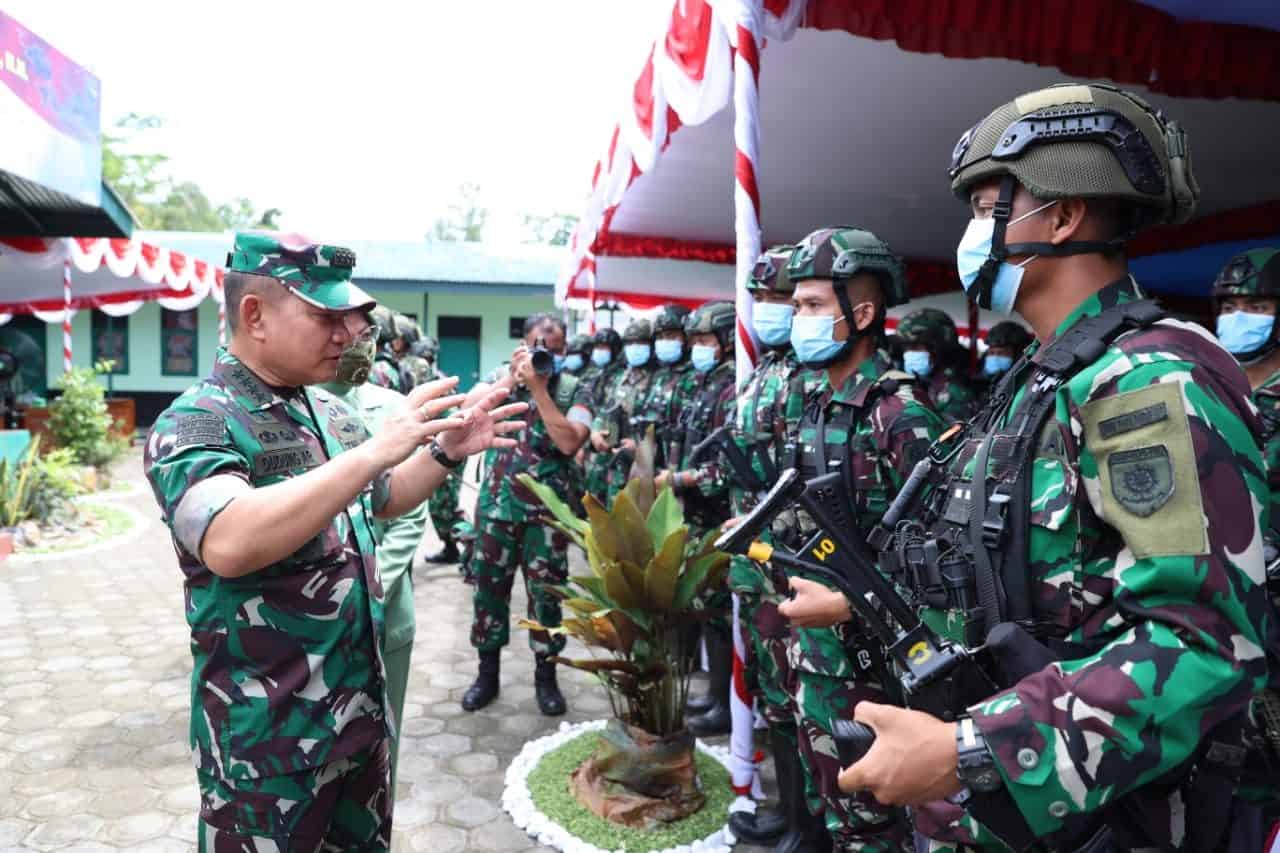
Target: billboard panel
49	115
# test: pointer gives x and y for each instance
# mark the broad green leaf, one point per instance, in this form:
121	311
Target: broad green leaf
583	606
689	584
535	625
635	580
574	536
707	543
552	501
717	563
664	517
603	531
627	630
634	542
594	586
664	570
643	471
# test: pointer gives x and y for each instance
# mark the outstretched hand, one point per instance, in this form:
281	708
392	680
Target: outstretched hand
482	425
405	432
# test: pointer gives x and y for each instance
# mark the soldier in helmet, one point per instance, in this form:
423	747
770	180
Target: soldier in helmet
620	423
1111	498
601	378
576	353
414	369
269	487
849	411
1005	342
931	350
673	382
760	434
386	361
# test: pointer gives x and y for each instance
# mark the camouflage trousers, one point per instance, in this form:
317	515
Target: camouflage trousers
856	822
502	547
768	637
596	475
342	805
443	506
396	664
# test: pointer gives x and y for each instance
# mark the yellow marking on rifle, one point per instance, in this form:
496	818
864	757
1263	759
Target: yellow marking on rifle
919	653
824	549
761	552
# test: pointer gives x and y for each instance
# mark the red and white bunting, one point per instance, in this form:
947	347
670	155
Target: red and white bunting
66	316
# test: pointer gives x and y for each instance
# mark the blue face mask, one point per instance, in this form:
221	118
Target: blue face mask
601	357
1242	332
972	253
813	339
668	351
637	354
772	322
557	362
994	365
573	362
917	361
704	357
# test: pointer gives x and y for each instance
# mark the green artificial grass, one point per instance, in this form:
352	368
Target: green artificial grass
549	788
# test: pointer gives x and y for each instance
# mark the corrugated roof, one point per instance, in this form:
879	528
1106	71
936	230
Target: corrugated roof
465	263
28	209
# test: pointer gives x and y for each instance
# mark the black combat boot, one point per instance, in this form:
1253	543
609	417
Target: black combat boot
447	554
485	688
545	689
767	824
716	720
702	702
805	833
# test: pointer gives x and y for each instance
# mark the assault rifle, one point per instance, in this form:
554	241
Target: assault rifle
934	674
721	442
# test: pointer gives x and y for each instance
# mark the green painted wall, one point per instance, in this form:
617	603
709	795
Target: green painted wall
494	307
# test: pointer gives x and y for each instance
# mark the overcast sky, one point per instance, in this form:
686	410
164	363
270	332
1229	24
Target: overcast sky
359	119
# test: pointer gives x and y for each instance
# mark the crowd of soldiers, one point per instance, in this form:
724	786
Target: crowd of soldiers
1085	521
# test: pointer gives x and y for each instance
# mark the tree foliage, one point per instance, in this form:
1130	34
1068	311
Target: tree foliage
553	229
465	220
141	178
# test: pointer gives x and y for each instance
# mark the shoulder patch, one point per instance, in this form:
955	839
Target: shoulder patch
1146	467
192	430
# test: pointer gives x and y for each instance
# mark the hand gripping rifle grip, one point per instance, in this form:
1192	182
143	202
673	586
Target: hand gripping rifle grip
853	739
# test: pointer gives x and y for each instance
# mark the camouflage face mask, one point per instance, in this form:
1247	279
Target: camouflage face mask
356	361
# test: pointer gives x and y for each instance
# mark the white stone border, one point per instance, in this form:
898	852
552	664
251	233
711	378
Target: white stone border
140	525
518	801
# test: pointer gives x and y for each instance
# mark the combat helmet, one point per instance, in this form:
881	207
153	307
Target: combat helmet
1252	273
1009	334
670	318
638	330
385	322
1075	141
770	271
407	329
715	318
609	338
580	344
929	327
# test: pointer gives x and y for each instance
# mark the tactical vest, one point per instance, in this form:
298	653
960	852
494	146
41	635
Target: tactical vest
696	418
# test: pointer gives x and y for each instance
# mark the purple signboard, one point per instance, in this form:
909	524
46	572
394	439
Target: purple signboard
49	115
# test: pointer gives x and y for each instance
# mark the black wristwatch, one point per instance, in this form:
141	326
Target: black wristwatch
438	454
975	766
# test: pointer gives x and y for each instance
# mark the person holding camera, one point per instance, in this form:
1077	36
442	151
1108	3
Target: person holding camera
509	534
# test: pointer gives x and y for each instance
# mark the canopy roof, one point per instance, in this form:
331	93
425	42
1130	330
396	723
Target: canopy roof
860	106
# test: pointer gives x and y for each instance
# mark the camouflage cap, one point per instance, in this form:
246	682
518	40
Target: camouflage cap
770	271
1252	273
317	274
929	327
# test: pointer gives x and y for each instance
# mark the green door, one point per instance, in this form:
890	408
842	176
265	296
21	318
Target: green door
460	349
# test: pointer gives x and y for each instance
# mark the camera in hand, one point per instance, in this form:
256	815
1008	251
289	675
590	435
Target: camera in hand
544	361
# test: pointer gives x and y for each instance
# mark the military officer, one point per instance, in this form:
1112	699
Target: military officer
1005	342
848	411
575	354
510	533
269	489
601	380
414	368
1121	453
620	424
931	350
386	363
673	381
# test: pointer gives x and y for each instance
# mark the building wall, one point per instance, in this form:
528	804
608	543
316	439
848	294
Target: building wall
493	305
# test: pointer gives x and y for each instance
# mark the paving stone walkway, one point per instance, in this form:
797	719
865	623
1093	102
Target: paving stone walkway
94	674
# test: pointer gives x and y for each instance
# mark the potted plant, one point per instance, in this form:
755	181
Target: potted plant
640	606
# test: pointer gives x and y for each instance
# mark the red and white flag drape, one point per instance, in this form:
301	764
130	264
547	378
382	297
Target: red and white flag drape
66	316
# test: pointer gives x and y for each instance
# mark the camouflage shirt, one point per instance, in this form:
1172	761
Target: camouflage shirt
386	372
417	369
953	398
710	406
1267	398
288	671
1148	497
758	424
888	439
501	497
623	404
671	390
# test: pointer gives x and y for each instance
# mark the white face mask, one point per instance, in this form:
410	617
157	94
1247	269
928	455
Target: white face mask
973	251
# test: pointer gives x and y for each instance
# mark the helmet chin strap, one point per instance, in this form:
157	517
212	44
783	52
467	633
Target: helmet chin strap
1000	250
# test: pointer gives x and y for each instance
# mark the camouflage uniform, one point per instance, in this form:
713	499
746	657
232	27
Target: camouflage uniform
758	424
832	669
670	393
602	386
509	532
386	372
444	504
952	395
618	420
288	687
1146	503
